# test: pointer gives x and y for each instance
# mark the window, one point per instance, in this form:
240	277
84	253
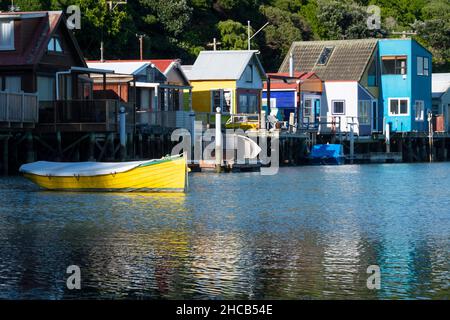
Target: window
325	55
6	34
221	99
308	108
372	79
423	66
338	107
364	107
13	84
248	75
248	103
420	110
394	65
398	107
54	45
46	88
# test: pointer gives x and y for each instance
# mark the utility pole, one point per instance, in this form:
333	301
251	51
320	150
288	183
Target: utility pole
102	51
141	45
214	44
249	31
112	4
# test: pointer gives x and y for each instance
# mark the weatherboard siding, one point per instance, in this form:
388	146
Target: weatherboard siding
201	93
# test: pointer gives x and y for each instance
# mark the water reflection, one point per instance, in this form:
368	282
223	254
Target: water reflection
305	233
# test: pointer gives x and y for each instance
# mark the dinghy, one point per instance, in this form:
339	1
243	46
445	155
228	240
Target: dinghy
168	174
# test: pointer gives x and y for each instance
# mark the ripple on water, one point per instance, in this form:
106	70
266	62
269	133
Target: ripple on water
308	232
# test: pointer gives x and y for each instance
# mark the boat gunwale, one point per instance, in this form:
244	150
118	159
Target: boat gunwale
144	165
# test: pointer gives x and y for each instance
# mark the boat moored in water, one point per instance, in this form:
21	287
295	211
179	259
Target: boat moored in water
168	174
327	154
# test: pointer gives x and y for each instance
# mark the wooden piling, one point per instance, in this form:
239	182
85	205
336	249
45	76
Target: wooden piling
30	147
5	156
91	146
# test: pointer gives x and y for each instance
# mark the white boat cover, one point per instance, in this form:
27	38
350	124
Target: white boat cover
79	169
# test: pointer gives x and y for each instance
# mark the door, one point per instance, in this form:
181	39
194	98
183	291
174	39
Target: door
317	111
308	112
448	117
374	116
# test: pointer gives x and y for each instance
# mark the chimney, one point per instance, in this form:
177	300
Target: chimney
291	65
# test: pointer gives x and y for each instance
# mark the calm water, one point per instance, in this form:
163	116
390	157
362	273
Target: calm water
306	233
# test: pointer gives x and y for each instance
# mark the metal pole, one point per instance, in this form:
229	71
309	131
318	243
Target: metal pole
123	133
430	134
102	52
388	138
218	140
352	144
248	34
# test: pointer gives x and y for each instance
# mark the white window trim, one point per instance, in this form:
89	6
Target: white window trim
423	111
332	107
424	72
11	46
223	90
399	115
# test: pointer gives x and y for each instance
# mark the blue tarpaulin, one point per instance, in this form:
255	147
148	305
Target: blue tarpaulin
327	151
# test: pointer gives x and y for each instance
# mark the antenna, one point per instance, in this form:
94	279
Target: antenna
405	33
249	31
112	4
13	8
214	44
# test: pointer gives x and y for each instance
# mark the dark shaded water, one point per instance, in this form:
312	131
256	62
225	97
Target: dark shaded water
305	233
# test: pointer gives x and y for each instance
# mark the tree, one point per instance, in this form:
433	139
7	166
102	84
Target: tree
233	35
285	27
434	32
342	20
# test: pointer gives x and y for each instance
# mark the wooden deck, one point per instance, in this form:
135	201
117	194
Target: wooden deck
83	116
18	110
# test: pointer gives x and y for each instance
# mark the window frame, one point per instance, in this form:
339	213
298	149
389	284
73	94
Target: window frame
368	104
331	50
425	66
52	41
408	107
247	95
426	70
222	98
333	109
11	45
397	65
248	73
422	117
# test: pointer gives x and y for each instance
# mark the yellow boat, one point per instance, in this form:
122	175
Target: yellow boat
168	174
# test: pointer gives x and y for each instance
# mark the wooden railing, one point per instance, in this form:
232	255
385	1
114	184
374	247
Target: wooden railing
19	107
101	114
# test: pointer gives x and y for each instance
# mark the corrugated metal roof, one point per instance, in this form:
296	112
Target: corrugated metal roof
440	82
128	67
347	62
223	65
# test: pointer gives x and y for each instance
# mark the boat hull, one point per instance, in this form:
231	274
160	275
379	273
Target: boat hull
332	161
168	175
